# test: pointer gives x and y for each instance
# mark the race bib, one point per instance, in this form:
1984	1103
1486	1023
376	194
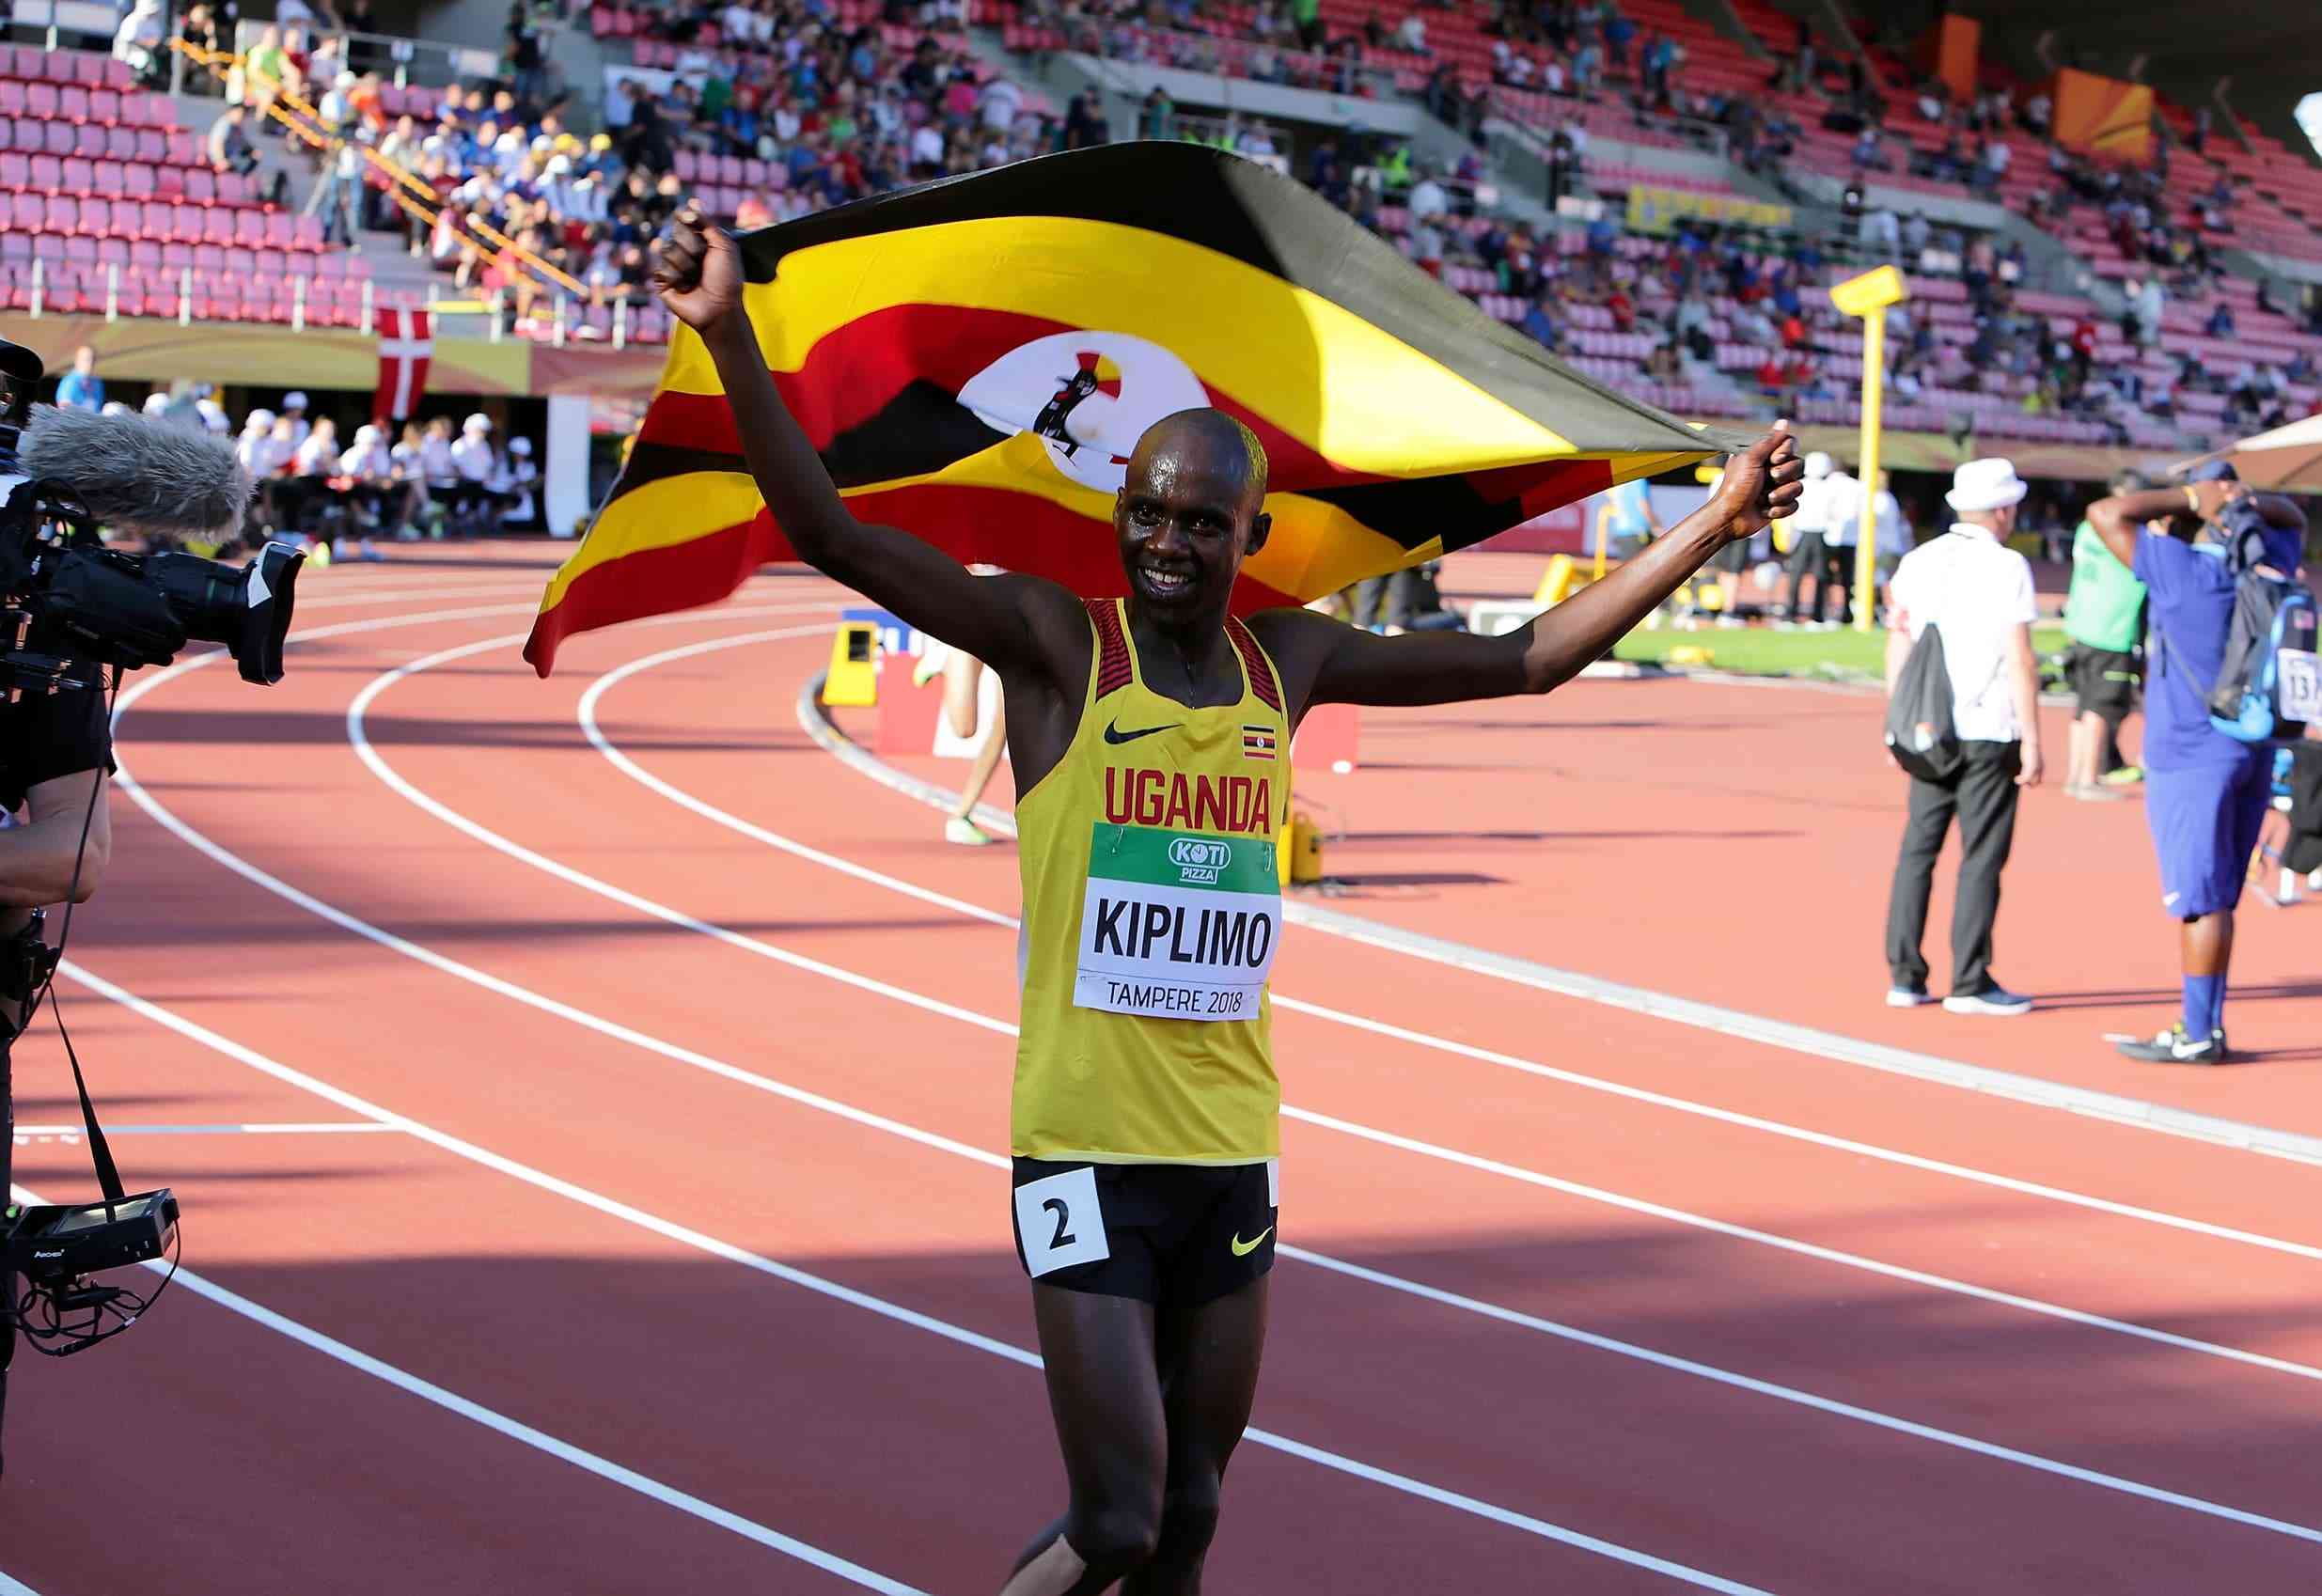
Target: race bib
1177	925
2299	674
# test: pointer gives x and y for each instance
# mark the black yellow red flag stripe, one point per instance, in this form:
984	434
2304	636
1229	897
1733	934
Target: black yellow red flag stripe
975	359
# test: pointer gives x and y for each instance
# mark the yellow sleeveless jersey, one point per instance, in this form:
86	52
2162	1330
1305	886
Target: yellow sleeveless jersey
1152	911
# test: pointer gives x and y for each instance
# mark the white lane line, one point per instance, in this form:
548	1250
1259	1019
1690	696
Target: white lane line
317	1128
821	730
15	1587
718	1067
525	1434
445	964
959	1335
2115	1107
591	729
746	944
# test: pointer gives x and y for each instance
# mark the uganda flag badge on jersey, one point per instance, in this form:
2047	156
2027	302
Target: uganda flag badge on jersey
975	358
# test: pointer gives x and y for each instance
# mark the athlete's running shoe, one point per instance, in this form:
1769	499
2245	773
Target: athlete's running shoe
2127	775
2176	1046
964	832
1900	996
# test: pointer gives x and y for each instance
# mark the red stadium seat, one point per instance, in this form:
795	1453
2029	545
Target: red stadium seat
40	98
80	177
110	180
201	185
72	102
217	227
15	170
138	180
104	105
169	182
249	229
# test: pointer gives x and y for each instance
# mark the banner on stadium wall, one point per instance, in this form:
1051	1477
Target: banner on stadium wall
2097	115
975	360
1658	209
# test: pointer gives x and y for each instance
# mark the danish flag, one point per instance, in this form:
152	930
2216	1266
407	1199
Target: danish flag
406	341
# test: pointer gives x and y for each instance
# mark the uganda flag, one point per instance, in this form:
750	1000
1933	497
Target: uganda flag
975	359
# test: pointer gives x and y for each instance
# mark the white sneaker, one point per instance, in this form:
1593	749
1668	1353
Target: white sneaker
1993	999
1907	997
964	832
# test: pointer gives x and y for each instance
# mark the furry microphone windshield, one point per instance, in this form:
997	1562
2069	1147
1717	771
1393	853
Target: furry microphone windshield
129	471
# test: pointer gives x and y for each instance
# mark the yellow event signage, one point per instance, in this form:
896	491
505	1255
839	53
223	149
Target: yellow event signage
1867	298
1655	209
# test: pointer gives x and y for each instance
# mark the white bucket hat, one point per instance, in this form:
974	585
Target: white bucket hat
1981	485
1817	466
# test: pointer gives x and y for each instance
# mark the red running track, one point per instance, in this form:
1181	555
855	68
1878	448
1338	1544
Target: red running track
669	1244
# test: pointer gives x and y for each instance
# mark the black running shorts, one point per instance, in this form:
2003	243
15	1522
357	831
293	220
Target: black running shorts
2105	681
1181	1233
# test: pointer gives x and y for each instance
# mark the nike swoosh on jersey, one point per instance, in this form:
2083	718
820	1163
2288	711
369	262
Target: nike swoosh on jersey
1114	734
1242	1249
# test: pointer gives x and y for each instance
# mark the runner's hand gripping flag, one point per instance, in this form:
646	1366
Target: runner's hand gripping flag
974	359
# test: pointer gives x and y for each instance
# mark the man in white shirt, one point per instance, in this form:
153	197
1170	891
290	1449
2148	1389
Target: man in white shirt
1428	198
1842	518
1809	553
1977	593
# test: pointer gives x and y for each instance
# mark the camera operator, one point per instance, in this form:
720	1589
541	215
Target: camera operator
55	751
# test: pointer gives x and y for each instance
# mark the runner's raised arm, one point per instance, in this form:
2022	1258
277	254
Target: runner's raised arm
1324	660
1007	621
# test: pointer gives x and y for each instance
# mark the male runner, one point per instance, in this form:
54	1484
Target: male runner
1149	738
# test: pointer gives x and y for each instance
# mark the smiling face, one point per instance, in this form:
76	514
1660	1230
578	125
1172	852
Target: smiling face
1189	511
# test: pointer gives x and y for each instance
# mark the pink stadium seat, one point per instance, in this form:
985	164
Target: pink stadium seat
104	105
114	74
185	148
280	232
40	98
754	174
72	102
95	218
27	135
138	180
201	185
59	138
47	174
113	252
217	227
15	248
146	257
176	258
88	67
273	263
136	109
235	188
25	214
59	214
15	170
121	144
688	166
249	229
242	263
79	176
109	180
306	233
185	223
151	146
169	182
209	260
8	133
87	142
730	169
11	99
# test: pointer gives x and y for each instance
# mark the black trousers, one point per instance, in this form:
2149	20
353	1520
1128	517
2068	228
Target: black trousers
1808	557
1983	796
8	1171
